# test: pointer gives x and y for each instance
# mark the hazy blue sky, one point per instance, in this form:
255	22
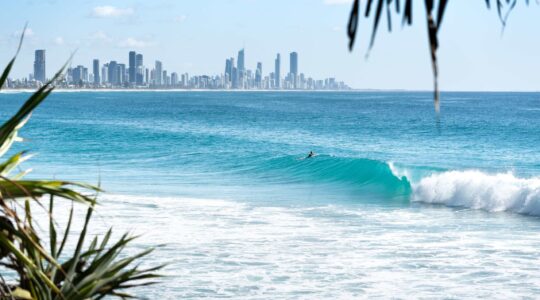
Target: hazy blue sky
196	37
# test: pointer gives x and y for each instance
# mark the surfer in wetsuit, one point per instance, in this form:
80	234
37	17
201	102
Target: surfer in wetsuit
311	154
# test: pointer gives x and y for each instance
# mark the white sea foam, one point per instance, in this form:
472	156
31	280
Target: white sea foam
399	172
228	249
221	249
478	190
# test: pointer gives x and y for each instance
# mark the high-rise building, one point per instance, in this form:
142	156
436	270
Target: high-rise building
228	70
95	70
158	73
85	74
234	76
139	74
294	63
132	68
39	66
293	70
258	75
122	74
165	78
69	75
174	79
112	73
104	73
183	82
79	75
241	61
301	81
241	69
277	75
76	75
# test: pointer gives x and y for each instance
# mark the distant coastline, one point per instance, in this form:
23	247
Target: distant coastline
62	90
161	90
126	90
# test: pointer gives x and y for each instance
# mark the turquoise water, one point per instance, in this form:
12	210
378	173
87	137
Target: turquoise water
398	202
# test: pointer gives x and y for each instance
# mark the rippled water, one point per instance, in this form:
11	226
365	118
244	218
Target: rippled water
398	203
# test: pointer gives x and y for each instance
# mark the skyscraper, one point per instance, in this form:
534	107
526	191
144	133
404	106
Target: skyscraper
104	73
122	74
277	75
139	76
183	82
79	75
241	60
234	81
113	73
228	70
158	73
234	74
241	69
95	70
294	63
294	69
174	79
132	68
165	78
39	66
258	75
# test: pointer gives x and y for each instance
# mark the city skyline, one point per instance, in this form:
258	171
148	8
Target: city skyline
115	74
194	36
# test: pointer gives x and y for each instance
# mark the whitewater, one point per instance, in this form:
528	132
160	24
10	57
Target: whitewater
398	203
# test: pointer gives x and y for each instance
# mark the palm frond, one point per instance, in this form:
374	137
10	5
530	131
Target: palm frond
433	24
93	270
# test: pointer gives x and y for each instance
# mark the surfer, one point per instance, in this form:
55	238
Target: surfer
311	154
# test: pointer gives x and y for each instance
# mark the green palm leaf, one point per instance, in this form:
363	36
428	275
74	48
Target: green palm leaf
93	271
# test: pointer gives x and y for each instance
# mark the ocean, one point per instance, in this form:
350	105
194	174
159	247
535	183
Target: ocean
399	202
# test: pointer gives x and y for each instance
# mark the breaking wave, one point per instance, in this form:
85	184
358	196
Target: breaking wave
457	188
479	190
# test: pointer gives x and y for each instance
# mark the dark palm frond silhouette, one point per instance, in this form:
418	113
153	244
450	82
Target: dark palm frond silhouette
434	16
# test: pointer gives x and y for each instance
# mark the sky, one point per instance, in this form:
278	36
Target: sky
197	36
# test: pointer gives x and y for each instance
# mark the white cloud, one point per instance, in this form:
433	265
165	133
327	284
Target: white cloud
337	28
108	11
59	41
180	19
337	2
134	43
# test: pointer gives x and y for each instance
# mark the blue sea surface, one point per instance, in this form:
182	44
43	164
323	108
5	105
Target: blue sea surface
398	201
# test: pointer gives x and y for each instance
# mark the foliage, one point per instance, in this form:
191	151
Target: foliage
434	18
43	268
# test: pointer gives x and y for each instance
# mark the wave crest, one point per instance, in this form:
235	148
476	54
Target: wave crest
371	177
378	180
478	190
